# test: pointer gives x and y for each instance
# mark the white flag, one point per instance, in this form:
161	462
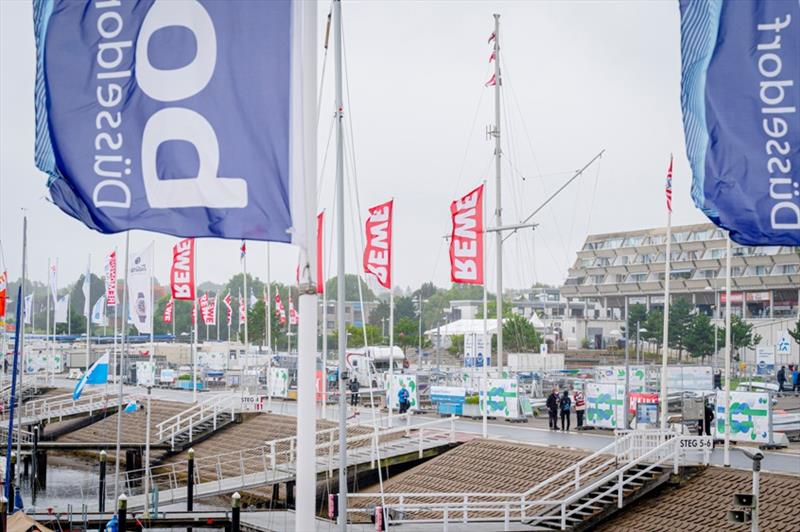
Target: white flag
99	312
28	309
141	304
87	284
61	309
53	283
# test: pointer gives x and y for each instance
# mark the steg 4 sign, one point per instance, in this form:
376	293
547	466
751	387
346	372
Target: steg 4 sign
253	403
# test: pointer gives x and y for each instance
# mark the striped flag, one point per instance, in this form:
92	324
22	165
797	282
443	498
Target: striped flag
243	250
668	188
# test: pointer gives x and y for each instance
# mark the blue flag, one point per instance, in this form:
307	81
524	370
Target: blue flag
181	117
740	94
97	374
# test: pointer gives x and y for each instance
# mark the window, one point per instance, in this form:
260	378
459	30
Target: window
680	274
699	236
624	260
705	274
785	269
657	239
716	253
611	243
680	237
637	278
633	241
615	278
573	281
602	262
595	279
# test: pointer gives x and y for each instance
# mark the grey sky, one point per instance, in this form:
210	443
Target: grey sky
579	77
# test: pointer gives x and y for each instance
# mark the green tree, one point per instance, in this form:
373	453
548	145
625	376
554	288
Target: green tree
256	323
519	335
655	326
456	344
406	332
350	288
404	308
491	310
355	337
379	313
795	333
742	335
699	337
427	290
680	318
636	314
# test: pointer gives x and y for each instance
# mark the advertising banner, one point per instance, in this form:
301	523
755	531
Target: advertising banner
749	416
181	274
616	375
466	238
279	382
139	289
378	250
392	387
502	398
605	405
690	378
765	360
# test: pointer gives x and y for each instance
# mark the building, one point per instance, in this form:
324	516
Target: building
353	313
615	268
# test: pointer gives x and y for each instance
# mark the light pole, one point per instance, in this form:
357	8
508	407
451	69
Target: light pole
419	334
638	343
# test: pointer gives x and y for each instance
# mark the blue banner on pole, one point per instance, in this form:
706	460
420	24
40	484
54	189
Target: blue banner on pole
740	94
168	116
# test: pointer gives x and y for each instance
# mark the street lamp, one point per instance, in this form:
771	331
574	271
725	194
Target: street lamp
419	335
638	344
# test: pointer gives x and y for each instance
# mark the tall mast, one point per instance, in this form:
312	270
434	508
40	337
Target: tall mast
498	213
340	268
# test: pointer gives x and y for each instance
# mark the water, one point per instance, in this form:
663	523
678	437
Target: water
65	486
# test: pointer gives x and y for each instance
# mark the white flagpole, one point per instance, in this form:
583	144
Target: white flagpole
487	344
727	448
665	339
246	338
268	318
216	314
391	324
149	386
49	369
121	364
116	314
88	306
22	353
194	349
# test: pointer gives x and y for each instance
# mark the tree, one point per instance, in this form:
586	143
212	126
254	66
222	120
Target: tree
742	335
491	308
456	344
404	308
680	318
406	332
655	326
795	333
427	290
519	335
636	314
699	337
379	313
350	288
257	324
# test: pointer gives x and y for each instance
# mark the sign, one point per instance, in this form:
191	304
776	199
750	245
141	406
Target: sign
145	374
279	382
392	387
502	398
749	416
183	118
448	394
475	353
111	279
690	378
765	360
740	95
181	274
253	403
378	250
617	375
604	405
783	347
637	398
140	290
736	297
466	238
697	443
646	413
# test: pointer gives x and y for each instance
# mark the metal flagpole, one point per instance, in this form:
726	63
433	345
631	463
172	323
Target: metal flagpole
216	314
116	314
47	320
340	267
726	421
268	319
88	307
172	300
664	399
149	386
626	402
305	513
22	352
194	351
391	325
487	344
246	338
121	365
498	199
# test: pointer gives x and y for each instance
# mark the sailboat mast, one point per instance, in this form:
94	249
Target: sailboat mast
498	213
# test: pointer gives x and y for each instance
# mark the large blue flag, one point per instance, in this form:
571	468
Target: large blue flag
97	374
740	94
182	117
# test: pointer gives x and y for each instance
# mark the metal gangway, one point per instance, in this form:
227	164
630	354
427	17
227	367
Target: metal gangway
275	461
597	485
200	418
61	407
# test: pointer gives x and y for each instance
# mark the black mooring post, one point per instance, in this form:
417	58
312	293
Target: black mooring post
102	491
3	513
236	503
11	476
190	484
34	457
122	513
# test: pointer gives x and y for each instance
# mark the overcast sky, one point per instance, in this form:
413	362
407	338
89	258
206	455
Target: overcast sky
578	77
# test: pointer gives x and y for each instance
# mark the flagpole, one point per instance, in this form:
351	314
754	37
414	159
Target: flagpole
116	315
391	323
121	365
727	418
149	386
487	344
499	204
88	306
268	319
194	352
22	352
665	338
246	305
216	314
47	321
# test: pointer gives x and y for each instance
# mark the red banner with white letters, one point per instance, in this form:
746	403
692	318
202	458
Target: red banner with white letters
466	238
228	308
169	308
279	310
378	251
181	275
111	279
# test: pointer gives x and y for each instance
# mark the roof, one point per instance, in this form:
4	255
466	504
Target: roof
475	326
19	522
702	503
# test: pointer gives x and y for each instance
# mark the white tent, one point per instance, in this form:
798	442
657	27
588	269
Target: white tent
463	327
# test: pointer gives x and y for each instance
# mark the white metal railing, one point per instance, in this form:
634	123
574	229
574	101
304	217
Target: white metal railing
61	406
250	468
187	420
609	472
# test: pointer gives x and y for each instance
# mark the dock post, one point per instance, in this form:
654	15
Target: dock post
290	494
34	456
102	489
3	513
236	503
190	484
122	513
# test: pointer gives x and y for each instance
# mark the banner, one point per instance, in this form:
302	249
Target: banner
605	405
3	298
242	309
111	279
466	238
393	385
139	290
749	416
279	310
99	312
378	250
212	310
181	274
61	313
169	309
27	312
740	95
87	289
53	283
194	114
228	308
294	318
502	398
320	253
765	360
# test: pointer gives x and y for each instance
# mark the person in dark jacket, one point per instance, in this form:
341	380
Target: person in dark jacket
781	378
552	409
708	419
564	406
354	387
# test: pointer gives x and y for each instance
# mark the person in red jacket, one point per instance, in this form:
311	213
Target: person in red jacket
579	401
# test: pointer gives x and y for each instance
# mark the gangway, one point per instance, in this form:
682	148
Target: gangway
576	498
275	462
61	407
201	418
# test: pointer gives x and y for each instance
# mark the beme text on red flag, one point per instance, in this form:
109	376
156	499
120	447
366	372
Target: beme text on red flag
181	275
378	250
466	238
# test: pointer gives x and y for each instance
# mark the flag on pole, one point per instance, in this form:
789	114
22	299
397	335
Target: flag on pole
212	310
243	250
242	309
293	316
253	298
3	297
139	289
61	311
668	187
99	312
228	307
28	311
87	286
492	56
279	310
53	283
245	159
466	238
491	38
181	274
111	279
492	81
205	309
169	309
97	374
378	250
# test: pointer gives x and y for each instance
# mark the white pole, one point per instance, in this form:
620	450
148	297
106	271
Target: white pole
727	448
665	339
305	514
487	344
391	334
194	352
22	353
116	306
340	267
88	306
498	199
324	347
268	305
149	388
246	338
125	311
47	321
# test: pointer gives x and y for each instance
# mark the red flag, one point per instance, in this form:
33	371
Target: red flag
279	311
320	248
492	81
466	242
111	279
242	309
212	310
293	316
181	274
3	296
668	187
378	251
194	313
168	310
204	308
491	38
243	250
493	56
228	307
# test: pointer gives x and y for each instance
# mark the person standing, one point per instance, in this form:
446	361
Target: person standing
796	379
402	398
552	409
565	405
781	379
354	387
708	419
580	406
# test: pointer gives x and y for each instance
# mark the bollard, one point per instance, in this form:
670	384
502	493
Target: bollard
102	489
34	457
276	495
122	513
190	484
3	513
236	503
290	494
